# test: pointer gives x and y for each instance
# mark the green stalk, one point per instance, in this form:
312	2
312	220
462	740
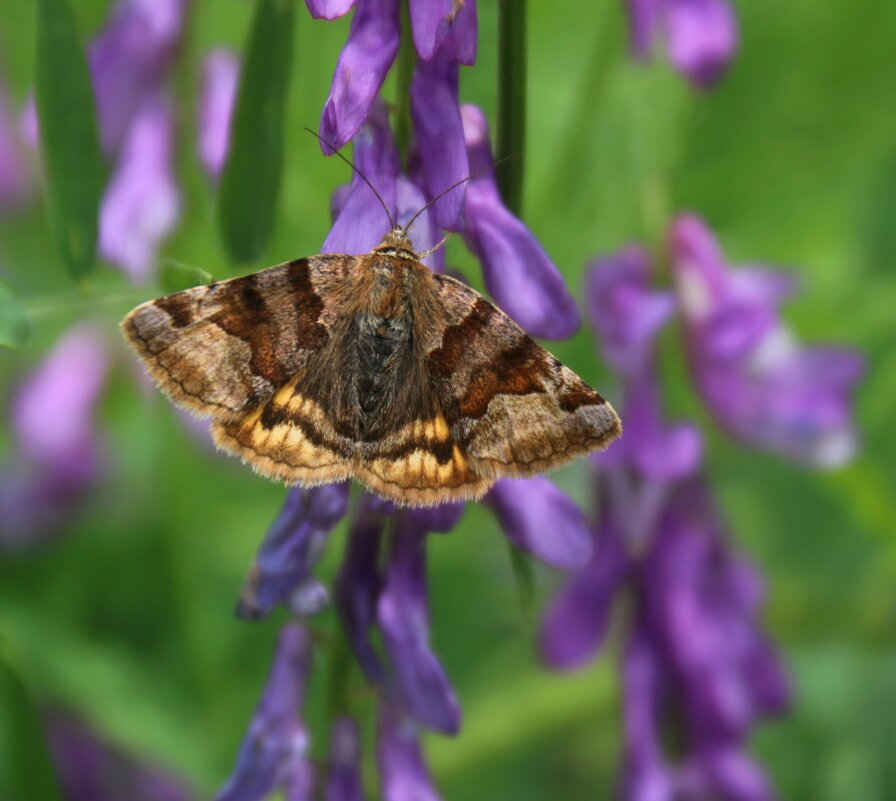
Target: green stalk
511	99
407	60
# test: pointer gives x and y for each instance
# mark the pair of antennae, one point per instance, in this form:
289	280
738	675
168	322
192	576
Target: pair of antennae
438	197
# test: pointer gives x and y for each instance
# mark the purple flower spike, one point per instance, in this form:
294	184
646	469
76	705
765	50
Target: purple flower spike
128	60
220	77
274	751
362	222
447	26
403	773
518	273
701	35
538	517
439	135
756	380
329	9
623	309
142	202
577	621
366	58
15	178
359	583
344	780
291	549
403	615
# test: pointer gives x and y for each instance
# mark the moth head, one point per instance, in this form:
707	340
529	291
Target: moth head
397	239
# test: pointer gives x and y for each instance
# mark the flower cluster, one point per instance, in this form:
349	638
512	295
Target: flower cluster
696	660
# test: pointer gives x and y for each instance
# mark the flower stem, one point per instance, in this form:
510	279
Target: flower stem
407	60
511	99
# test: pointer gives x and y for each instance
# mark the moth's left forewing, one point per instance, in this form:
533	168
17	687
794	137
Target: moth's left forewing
514	408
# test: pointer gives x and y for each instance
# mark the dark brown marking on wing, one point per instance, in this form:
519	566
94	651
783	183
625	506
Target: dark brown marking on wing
576	397
180	307
456	339
517	371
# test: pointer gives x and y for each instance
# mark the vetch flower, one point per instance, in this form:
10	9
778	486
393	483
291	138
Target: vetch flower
757	381
403	617
142	202
274	753
448	26
538	517
128	61
282	568
519	275
624	310
700	36
403	773
220	76
362	222
362	67
439	135
57	450
344	777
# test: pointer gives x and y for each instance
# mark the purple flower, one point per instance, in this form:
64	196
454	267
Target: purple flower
439	135
623	309
282	568
541	519
758	382
403	773
365	59
701	36
576	624
58	456
359	582
448	26
403	615
344	778
274	753
425	233
518	273
142	202
329	9
15	177
128	61
362	222
220	76
90	769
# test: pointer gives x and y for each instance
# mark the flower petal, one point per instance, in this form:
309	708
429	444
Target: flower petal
220	76
362	67
445	25
540	518
403	773
702	38
291	549
329	9
344	779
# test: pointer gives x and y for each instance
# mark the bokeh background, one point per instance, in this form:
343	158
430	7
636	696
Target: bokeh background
125	615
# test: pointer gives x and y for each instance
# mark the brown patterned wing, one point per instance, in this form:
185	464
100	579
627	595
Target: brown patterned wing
226	348
513	409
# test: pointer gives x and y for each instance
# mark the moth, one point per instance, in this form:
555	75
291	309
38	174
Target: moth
369	367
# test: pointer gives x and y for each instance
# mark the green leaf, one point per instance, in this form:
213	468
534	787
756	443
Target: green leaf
69	141
250	185
14	327
175	276
26	769
524	573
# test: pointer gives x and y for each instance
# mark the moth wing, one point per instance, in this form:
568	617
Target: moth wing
513	408
226	348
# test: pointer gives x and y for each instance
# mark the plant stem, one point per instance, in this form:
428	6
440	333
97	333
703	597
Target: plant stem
511	99
407	60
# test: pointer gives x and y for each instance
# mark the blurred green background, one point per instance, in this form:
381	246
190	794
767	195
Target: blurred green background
127	616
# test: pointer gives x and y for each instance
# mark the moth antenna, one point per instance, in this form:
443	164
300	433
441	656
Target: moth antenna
436	246
363	177
457	184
